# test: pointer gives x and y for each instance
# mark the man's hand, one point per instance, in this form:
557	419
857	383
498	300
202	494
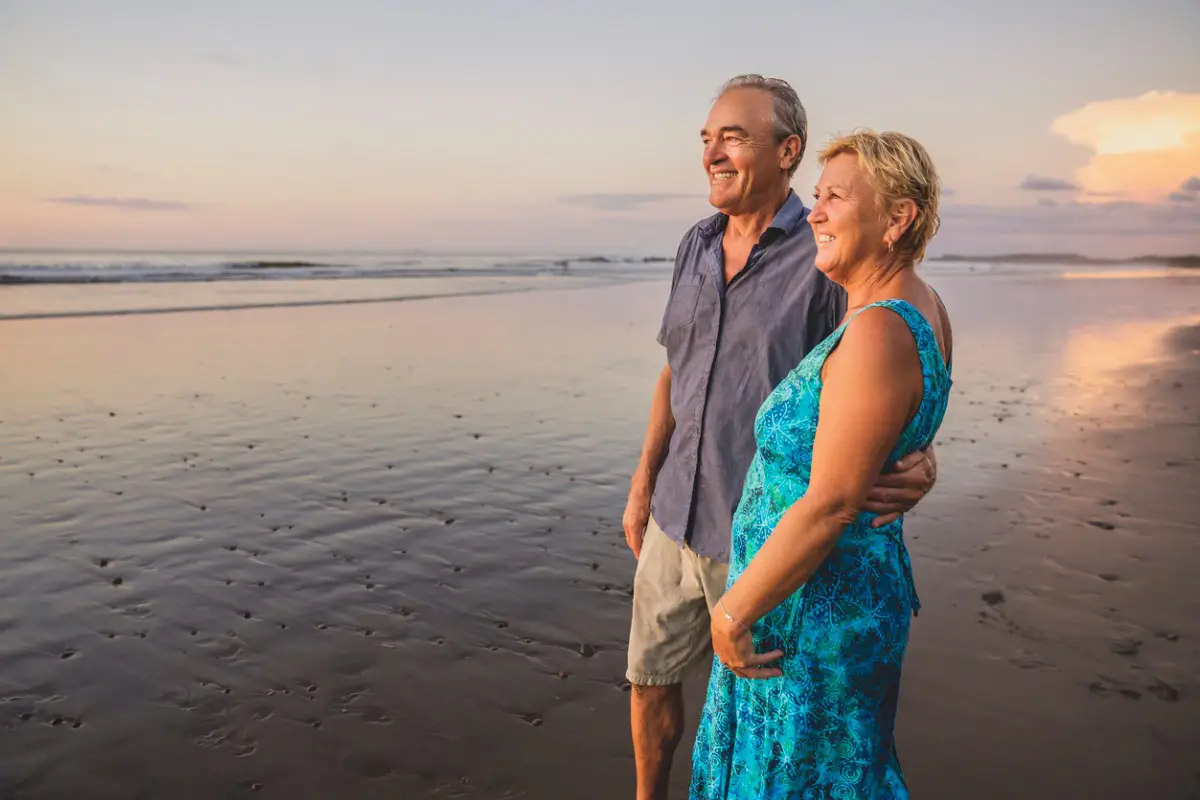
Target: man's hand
902	488
637	516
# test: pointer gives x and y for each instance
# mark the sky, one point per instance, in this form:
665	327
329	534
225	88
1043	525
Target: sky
555	126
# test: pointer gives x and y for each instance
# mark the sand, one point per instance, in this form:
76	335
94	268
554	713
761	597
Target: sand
375	550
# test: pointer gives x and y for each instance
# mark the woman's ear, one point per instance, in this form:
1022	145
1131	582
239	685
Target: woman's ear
901	218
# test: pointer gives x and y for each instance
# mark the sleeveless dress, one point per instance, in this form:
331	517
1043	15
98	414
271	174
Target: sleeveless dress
825	728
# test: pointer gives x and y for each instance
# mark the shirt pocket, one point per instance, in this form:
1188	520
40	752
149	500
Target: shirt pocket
684	300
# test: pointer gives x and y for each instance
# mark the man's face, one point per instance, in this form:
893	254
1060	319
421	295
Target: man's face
746	167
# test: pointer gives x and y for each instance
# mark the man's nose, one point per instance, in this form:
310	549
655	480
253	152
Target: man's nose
713	153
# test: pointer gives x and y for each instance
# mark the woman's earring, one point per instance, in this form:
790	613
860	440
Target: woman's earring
889	246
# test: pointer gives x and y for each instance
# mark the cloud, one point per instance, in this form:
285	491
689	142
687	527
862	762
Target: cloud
621	202
1080	219
1183	197
1145	146
1103	229
121	203
1046	202
1192	184
1033	183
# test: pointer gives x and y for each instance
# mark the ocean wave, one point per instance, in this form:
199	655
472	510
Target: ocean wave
28	268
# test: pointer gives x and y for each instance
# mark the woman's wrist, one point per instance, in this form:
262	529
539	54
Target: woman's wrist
732	616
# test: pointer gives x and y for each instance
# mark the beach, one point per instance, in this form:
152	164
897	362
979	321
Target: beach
374	549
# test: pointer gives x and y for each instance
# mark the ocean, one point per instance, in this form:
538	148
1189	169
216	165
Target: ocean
45	283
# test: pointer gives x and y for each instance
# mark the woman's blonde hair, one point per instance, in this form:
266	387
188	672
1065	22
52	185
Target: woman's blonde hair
899	168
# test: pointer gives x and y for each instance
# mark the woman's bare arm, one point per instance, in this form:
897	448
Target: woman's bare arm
871	388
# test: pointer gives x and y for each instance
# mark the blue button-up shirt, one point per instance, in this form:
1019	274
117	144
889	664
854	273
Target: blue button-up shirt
728	347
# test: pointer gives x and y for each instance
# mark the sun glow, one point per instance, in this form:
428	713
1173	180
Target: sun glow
1144	148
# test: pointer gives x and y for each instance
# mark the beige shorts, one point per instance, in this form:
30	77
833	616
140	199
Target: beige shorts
673	590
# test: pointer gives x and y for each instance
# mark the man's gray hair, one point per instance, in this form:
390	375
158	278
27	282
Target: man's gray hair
790	118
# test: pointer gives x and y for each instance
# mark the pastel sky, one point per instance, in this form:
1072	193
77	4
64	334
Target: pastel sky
545	125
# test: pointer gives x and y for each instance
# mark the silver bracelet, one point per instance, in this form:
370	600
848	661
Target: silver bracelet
728	616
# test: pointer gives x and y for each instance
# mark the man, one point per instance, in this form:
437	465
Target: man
746	306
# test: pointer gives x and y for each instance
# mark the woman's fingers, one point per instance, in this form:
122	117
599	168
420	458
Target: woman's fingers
755	672
764	658
751	666
758	674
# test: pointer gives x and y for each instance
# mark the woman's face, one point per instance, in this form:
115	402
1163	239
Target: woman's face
846	221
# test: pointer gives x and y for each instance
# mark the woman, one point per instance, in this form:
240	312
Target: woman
811	631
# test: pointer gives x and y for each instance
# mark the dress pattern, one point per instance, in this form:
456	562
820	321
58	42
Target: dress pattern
825	728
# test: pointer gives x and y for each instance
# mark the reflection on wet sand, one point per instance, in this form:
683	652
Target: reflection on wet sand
1094	375
375	551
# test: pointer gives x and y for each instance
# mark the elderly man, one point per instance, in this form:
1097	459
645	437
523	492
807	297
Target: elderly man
746	305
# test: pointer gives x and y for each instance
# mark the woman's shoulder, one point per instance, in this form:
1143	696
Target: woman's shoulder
879	321
879	333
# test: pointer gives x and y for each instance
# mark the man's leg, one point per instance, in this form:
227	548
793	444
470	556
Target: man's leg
656	717
669	632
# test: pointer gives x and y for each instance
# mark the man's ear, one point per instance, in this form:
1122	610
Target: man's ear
791	152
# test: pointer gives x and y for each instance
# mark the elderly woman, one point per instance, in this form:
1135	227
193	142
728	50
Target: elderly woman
811	632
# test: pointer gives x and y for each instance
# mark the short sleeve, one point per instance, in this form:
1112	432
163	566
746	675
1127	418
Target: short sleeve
661	338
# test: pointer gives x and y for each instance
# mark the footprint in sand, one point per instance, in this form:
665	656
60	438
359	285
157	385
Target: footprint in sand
1127	647
1105	686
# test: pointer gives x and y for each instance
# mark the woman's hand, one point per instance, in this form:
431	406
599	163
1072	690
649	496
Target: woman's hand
734	646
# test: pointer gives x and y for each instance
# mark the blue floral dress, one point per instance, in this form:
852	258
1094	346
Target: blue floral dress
825	728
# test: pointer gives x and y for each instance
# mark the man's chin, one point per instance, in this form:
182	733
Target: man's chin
722	201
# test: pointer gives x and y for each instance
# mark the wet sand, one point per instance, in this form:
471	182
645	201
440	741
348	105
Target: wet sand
374	551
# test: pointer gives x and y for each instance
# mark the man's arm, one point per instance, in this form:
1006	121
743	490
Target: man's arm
654	451
899	490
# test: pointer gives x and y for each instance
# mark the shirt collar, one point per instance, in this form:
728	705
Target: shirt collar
786	219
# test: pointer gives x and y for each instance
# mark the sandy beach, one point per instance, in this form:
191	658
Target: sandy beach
374	550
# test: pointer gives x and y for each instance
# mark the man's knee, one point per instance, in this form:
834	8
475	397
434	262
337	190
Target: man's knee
653	693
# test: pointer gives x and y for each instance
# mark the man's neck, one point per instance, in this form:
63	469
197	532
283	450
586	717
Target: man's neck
750	225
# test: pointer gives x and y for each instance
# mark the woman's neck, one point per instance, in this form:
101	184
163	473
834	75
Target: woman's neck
878	281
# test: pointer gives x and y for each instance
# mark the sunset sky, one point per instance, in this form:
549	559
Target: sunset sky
542	125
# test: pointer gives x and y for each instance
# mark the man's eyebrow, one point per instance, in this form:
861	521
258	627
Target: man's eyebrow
728	129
